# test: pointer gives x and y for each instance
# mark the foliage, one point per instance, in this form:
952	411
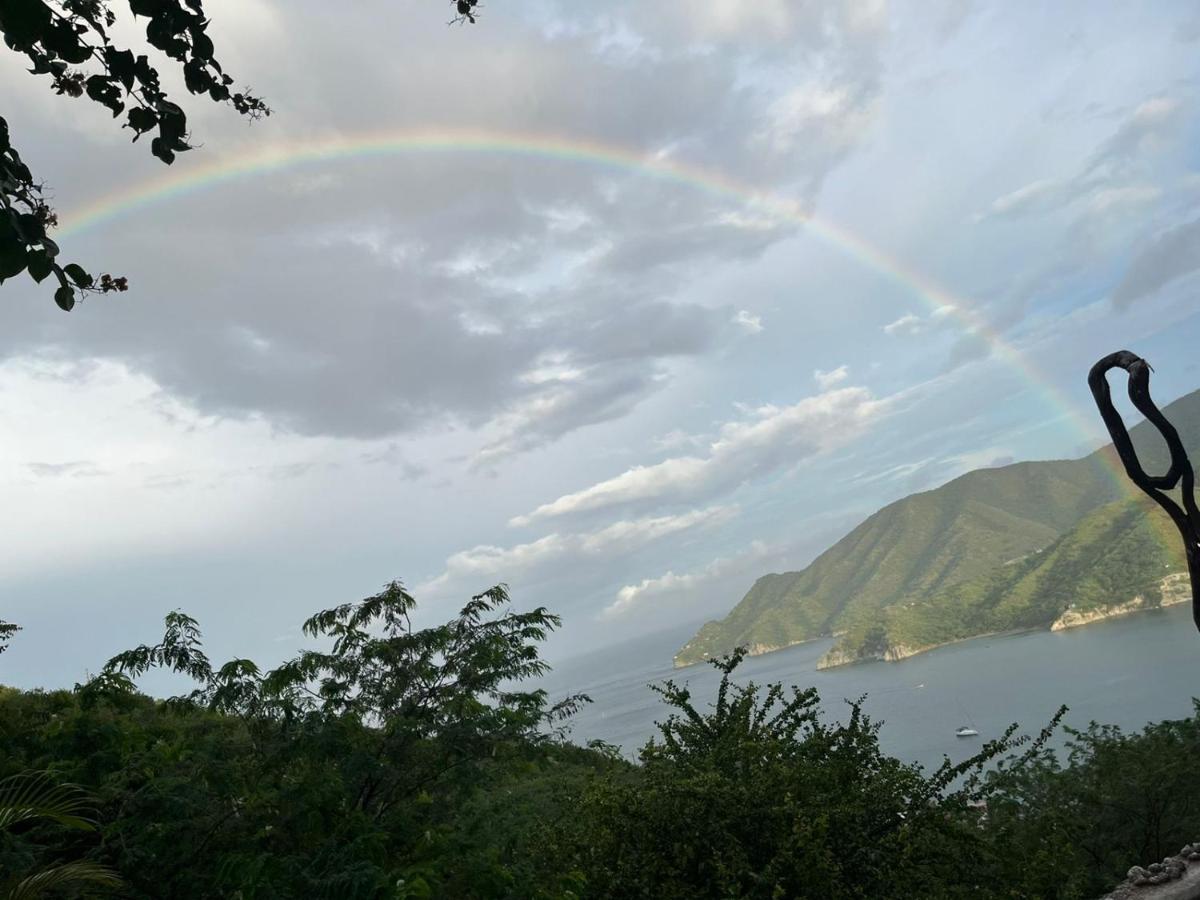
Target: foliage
1113	555
70	42
34	795
1116	800
359	769
761	798
396	762
466	11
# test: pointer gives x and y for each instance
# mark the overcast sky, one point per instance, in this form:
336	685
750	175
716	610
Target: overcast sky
624	395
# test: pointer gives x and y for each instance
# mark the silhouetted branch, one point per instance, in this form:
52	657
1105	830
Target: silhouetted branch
1179	474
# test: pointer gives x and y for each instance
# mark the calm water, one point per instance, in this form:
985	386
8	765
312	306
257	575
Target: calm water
1125	672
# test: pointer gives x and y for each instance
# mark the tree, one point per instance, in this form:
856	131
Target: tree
758	797
1117	799
387	730
69	42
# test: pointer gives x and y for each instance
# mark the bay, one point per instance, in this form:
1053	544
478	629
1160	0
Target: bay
1127	672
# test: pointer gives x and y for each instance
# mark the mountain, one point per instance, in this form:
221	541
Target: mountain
994	549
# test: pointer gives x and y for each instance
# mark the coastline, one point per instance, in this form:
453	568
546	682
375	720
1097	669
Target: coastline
837	658
1173	590
754	650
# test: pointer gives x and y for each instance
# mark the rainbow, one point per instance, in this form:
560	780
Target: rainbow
185	180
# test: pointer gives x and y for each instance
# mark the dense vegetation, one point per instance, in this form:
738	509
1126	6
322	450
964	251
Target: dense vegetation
1120	552
992	550
396	763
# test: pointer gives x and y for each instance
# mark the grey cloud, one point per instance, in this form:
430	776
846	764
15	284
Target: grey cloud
563	407
966	348
1170	256
76	469
401	293
393	456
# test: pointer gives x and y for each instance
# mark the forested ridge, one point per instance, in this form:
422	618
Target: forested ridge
994	550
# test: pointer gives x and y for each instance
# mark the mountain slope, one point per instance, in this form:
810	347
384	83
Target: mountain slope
919	551
1121	557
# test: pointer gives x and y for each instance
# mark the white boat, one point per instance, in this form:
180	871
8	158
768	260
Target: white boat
966	731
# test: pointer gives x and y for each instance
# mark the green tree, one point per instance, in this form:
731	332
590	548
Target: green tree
1115	800
345	771
760	798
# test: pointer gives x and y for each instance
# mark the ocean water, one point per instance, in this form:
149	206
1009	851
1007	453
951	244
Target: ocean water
1127	672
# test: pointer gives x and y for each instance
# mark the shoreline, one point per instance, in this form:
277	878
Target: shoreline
1174	590
750	651
903	652
1171	596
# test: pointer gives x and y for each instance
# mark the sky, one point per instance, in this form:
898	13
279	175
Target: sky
623	304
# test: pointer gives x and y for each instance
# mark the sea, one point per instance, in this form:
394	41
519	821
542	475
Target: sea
1127	671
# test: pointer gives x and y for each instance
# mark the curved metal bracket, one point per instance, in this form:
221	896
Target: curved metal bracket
1179	474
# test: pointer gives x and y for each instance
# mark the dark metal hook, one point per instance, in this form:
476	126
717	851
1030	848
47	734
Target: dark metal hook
1180	473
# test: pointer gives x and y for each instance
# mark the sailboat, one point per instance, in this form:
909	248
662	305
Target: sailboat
966	730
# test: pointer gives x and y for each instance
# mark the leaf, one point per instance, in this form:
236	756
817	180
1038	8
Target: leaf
162	150
12	259
197	77
65	298
102	89
145	7
76	273
40	265
42	883
121	63
142	120
25	21
202	45
32	795
31	228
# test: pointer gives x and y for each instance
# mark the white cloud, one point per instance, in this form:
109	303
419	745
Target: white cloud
774	438
1033	197
747	320
529	561
675	439
832	378
910	323
672	588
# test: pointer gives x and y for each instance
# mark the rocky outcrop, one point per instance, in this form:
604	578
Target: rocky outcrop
1073	618
835	658
1173	589
1175	878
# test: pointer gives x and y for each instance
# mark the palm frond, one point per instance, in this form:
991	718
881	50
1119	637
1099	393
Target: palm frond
33	795
72	873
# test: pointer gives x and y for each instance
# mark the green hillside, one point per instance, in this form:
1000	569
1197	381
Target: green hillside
992	550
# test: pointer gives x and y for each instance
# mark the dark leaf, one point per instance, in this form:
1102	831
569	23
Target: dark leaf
76	273
40	265
65	298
